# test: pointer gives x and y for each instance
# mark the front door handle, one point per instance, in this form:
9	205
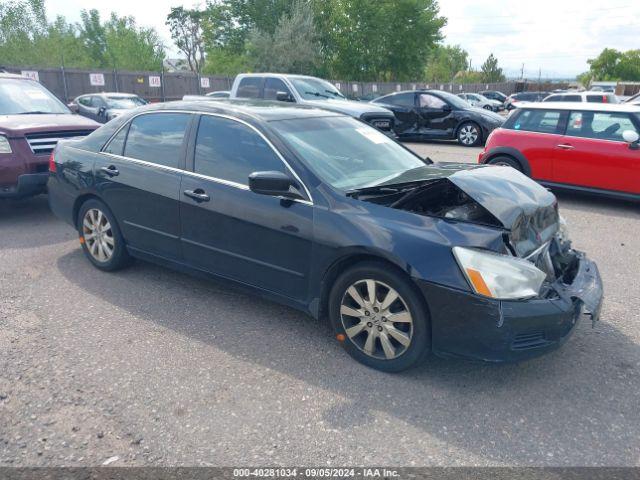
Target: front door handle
111	170
565	146
198	195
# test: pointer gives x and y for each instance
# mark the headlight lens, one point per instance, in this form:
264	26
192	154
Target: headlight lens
499	276
4	145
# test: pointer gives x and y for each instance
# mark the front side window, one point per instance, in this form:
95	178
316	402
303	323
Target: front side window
599	125
231	151
19	96
157	138
125	102
249	87
542	121
431	101
345	153
86	101
272	86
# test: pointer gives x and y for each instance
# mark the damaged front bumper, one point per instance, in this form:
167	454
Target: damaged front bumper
467	325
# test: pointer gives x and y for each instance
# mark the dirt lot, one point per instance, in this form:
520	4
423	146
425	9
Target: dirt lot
150	366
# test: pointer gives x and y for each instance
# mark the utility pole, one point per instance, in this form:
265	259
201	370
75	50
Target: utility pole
522	72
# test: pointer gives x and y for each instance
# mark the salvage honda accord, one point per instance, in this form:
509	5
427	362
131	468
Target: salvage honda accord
324	213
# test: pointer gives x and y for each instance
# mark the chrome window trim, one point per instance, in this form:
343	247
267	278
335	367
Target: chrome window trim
199	175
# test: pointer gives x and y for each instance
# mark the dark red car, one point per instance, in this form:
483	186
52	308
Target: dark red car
581	146
32	121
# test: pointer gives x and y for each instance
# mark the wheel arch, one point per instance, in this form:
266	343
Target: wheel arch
79	201
509	152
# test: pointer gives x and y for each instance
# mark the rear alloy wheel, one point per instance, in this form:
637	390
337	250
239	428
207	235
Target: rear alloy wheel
506	162
100	236
379	317
469	134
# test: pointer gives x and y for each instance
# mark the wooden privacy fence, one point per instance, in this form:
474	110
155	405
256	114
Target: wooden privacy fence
68	83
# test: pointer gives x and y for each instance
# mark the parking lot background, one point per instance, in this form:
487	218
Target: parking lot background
150	366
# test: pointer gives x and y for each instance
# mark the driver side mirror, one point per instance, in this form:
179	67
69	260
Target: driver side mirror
101	111
446	108
631	137
284	97
275	184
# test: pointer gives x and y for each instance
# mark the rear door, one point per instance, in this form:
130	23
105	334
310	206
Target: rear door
404	108
593	153
227	229
435	116
138	175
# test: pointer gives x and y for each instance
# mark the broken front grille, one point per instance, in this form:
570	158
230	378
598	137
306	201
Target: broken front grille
44	143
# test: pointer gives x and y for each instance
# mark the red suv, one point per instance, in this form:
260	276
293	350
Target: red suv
32	121
590	147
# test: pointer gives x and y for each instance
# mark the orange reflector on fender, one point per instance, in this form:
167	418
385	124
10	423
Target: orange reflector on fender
341	337
478	282
81	240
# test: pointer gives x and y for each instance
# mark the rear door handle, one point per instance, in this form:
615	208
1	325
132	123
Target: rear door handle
111	170
565	146
198	195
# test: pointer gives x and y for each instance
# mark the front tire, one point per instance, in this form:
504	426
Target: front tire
469	134
100	236
380	317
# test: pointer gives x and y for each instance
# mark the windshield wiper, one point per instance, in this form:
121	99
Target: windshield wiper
335	94
317	94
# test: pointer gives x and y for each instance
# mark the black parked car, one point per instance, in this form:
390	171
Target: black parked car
324	213
437	115
103	107
494	95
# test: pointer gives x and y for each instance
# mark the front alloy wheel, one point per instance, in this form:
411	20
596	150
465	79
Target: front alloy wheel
469	135
376	319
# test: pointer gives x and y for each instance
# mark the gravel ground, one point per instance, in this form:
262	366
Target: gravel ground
152	367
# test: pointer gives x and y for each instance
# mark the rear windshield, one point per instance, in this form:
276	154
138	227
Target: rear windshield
26	96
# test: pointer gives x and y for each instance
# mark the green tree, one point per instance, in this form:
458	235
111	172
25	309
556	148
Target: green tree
612	64
444	62
129	47
187	33
490	71
292	48
381	40
93	35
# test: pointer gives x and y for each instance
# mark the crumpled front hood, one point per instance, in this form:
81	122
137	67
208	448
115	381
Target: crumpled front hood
521	205
348	107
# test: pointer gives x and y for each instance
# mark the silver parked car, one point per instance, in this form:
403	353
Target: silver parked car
102	107
480	101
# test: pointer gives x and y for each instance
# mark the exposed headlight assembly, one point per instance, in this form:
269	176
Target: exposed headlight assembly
499	276
4	145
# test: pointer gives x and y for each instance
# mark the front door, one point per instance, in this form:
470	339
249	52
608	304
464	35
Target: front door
138	175
228	230
594	154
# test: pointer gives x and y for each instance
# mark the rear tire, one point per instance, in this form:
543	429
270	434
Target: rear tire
100	236
506	162
390	332
469	134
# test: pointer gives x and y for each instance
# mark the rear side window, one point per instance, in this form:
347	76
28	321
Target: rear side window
599	125
157	138
542	121
563	98
231	151
116	145
272	86
602	98
249	87
401	99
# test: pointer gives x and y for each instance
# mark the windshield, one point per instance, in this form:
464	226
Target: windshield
345	153
315	89
26	96
453	100
125	102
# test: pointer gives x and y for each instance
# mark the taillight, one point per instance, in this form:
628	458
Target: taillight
52	163
605	99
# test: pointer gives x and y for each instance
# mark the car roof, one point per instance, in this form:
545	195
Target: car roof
269	74
584	106
109	94
582	93
14	76
258	109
